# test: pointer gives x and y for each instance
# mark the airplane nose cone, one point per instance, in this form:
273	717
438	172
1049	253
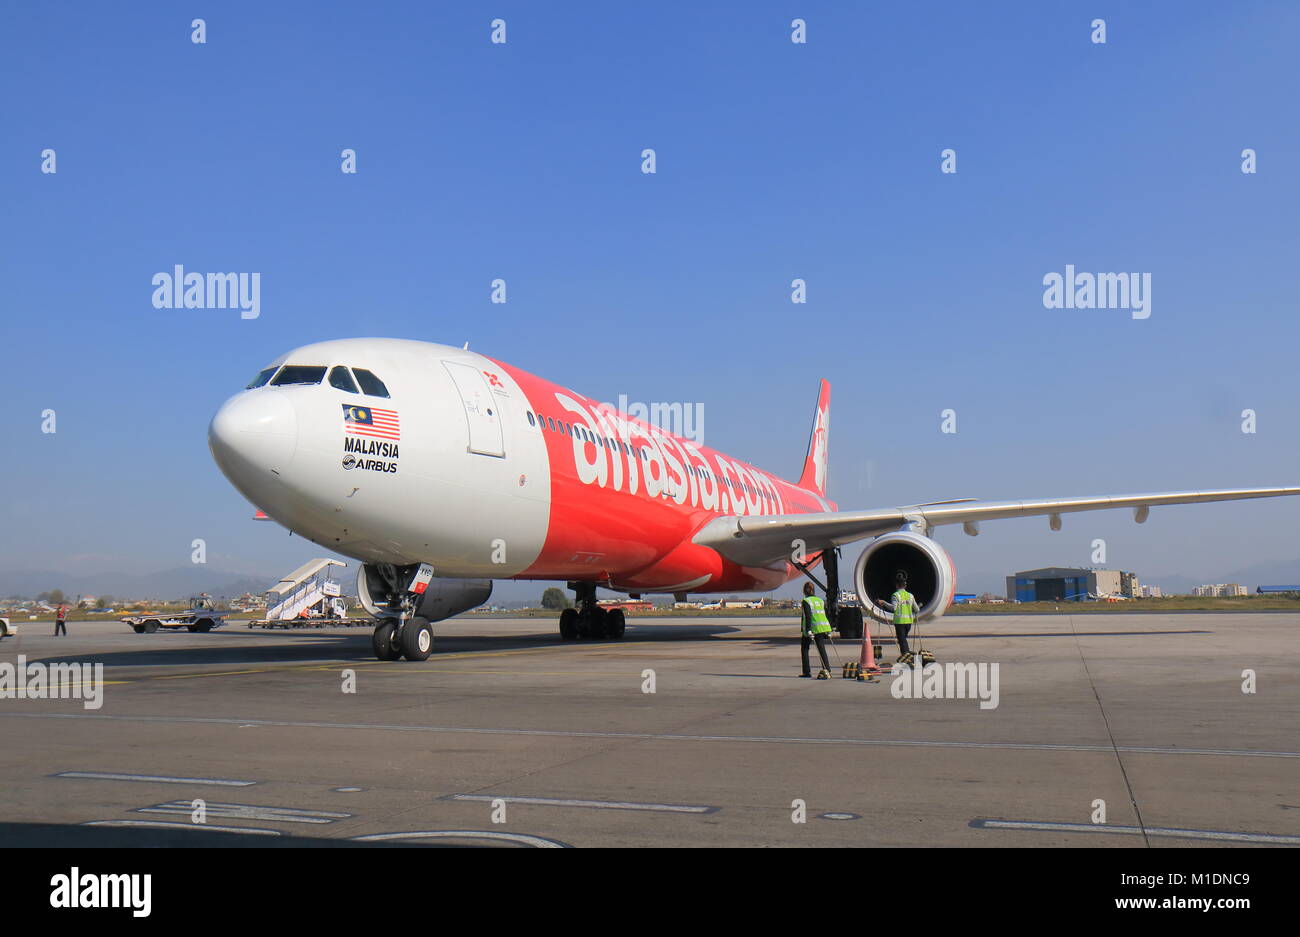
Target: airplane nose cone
253	434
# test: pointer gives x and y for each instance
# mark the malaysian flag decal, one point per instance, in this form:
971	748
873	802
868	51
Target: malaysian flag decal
372	422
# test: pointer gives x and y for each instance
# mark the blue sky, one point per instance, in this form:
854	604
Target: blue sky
775	161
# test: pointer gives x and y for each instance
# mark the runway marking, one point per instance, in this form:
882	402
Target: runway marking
1217	835
162	824
661	737
249	812
103	776
606	804
404	672
522	839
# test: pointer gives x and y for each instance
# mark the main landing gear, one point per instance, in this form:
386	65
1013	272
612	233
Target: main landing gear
589	620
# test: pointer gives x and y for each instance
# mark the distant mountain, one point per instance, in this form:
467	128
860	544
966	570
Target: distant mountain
177	583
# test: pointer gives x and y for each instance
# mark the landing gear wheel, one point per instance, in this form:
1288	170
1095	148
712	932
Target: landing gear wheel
569	624
592	622
150	627
417	639
615	623
385	640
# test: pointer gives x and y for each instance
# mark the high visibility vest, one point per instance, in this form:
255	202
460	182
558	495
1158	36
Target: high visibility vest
904	607
817	614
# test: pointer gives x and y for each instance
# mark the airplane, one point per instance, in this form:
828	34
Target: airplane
441	470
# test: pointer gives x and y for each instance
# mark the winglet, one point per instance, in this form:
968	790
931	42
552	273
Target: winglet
814	463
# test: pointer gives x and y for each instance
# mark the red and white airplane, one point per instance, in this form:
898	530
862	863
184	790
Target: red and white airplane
441	469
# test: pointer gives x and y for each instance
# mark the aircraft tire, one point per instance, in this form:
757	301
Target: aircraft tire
417	639
569	624
384	640
615	624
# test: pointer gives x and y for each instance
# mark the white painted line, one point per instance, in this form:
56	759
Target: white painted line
1219	835
161	779
522	839
666	737
160	824
249	812
607	804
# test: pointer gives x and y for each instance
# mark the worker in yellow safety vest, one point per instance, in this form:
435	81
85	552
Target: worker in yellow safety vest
814	627
903	604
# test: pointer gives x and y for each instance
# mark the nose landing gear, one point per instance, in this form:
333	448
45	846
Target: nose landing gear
399	633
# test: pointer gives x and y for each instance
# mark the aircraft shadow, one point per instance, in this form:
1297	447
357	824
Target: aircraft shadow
281	647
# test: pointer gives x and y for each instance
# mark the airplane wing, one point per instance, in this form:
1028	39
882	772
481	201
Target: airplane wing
765	540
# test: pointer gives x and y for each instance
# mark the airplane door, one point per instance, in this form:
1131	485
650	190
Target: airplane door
482	410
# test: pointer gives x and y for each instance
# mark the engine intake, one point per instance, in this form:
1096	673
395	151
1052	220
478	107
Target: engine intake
442	599
930	574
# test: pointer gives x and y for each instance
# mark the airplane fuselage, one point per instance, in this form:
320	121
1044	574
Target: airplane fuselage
484	470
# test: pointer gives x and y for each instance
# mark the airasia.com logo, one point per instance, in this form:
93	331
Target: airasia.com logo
610	450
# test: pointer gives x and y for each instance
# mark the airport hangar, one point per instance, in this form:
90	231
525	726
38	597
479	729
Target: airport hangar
1062	583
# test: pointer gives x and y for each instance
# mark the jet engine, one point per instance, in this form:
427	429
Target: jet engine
379	587
930	574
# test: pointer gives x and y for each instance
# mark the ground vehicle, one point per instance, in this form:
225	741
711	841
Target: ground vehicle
202	615
6	629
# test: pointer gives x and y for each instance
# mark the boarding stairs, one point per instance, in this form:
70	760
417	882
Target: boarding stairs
311	585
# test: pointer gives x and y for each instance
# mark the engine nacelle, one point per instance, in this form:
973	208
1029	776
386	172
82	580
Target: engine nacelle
443	598
931	577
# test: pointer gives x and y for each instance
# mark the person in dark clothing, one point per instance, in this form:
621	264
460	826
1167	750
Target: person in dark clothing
61	621
814	627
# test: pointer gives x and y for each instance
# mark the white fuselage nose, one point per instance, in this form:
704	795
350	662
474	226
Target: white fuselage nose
409	475
254	435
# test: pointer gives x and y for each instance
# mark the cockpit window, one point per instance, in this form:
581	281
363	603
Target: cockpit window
340	378
299	374
262	377
369	383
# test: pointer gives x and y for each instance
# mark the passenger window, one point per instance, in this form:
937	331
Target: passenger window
531	421
262	377
299	374
370	385
341	379
551	422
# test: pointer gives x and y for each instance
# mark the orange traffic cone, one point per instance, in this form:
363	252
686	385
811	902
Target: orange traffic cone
867	661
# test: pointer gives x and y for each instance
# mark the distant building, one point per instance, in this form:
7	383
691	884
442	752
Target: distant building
1069	584
1151	592
1220	590
1267	590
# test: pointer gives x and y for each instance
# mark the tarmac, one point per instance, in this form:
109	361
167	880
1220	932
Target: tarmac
1108	731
